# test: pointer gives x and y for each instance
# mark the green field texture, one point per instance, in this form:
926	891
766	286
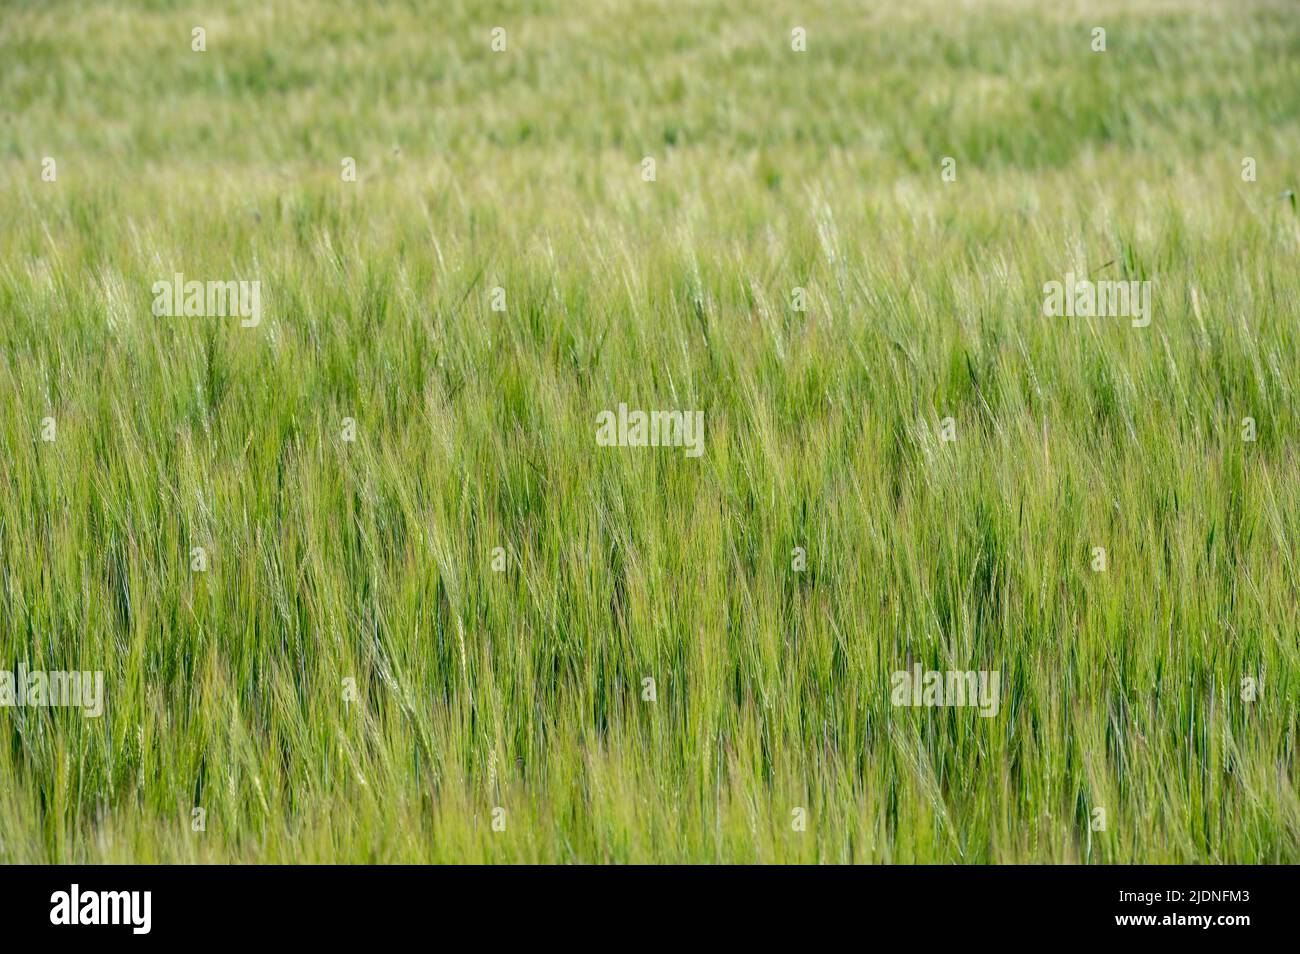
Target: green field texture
523	690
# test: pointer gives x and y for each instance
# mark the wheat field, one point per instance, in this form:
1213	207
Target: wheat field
362	582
